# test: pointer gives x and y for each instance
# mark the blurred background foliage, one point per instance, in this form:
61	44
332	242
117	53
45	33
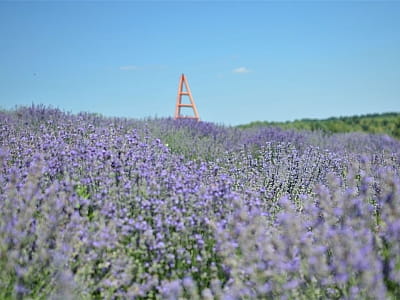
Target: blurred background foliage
386	123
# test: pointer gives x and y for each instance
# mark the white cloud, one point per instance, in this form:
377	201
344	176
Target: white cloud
241	70
128	68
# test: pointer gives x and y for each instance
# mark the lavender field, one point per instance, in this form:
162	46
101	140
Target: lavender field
111	208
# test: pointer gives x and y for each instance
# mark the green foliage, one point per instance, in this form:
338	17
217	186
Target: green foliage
82	191
387	123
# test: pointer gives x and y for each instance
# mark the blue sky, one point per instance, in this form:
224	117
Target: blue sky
244	60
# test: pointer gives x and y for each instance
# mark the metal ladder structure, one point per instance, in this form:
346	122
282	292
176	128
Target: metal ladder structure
185	92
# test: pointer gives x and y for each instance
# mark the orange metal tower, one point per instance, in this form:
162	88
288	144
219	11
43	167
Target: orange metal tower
179	104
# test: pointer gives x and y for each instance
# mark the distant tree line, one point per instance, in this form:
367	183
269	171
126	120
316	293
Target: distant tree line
386	123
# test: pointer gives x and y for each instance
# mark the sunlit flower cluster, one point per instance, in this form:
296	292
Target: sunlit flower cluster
111	208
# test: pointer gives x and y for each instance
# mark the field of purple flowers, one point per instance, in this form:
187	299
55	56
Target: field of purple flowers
111	208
